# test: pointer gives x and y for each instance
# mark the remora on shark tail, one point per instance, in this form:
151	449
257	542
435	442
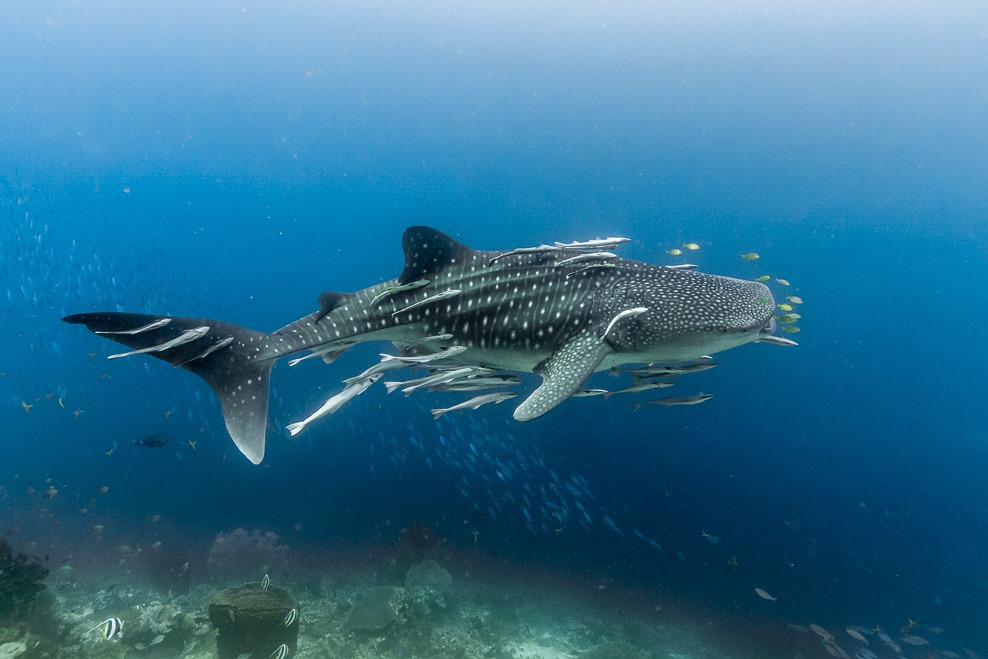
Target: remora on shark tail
534	309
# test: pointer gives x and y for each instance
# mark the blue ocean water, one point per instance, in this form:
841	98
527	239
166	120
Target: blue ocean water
235	160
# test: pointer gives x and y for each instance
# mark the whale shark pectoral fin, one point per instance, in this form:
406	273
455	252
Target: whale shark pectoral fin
563	373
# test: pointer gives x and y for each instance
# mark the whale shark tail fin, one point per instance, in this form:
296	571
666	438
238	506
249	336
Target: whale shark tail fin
235	361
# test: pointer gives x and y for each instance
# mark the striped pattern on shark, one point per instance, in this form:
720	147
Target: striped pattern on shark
529	310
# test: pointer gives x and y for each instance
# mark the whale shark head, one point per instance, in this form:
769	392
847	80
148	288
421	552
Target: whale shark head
690	313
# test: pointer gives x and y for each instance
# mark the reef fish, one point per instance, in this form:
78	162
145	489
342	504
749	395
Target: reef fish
514	310
156	440
108	628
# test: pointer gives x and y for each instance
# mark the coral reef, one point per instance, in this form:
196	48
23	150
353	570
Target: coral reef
373	611
157	623
20	583
347	615
426	587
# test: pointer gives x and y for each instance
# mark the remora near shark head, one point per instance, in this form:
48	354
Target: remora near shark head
562	311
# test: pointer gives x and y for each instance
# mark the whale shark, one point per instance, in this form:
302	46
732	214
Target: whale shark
561	311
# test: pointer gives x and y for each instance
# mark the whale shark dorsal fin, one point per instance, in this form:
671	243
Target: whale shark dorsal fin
428	251
563	373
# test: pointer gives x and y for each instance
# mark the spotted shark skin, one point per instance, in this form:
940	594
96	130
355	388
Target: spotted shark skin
524	311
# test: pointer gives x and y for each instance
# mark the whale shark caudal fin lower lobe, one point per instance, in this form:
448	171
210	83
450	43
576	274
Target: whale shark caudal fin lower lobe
235	361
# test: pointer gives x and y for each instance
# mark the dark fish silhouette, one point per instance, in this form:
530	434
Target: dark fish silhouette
152	441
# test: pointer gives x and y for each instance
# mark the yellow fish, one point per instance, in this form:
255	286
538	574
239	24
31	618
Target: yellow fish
789	318
691	246
795	299
763	278
784	282
674	251
792	329
785	307
750	256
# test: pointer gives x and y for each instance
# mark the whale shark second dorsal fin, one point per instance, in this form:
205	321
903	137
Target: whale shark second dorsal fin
427	251
330	300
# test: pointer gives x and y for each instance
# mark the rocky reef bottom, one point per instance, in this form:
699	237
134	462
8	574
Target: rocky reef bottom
432	612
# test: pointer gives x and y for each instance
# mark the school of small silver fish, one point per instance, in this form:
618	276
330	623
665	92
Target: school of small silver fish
911	640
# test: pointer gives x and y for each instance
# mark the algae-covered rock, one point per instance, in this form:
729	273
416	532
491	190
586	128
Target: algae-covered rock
12	649
20	582
254	620
372	611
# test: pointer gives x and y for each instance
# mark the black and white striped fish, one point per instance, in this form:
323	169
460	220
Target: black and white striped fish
108	628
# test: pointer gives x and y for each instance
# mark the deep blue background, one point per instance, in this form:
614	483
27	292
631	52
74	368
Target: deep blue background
236	160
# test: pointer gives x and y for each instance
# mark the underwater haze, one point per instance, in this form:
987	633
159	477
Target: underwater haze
234	161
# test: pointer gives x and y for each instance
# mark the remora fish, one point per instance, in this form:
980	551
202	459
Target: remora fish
475	402
670	402
189	335
517	313
334	403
